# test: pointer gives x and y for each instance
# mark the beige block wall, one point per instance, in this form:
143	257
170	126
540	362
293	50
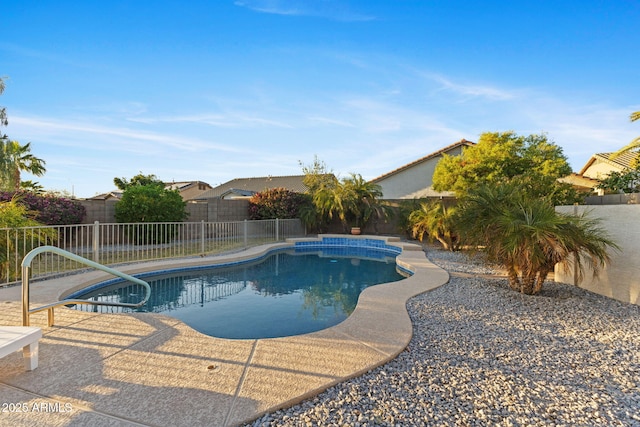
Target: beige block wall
197	212
228	210
212	210
103	211
621	279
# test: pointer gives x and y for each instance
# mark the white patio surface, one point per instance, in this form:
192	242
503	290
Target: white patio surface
153	370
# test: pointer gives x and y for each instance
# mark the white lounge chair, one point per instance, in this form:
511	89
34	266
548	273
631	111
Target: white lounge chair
13	338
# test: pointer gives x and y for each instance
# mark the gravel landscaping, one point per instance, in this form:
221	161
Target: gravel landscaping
483	354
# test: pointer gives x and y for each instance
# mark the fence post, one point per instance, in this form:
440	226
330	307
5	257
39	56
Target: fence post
245	233
202	236
277	230
96	241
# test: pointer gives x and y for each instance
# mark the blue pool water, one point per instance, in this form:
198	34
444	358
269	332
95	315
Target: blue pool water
284	293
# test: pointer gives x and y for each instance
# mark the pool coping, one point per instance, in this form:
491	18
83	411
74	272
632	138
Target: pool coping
219	381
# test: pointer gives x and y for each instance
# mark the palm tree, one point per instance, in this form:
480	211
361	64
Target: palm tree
3	112
437	222
528	237
353	200
633	145
14	159
361	200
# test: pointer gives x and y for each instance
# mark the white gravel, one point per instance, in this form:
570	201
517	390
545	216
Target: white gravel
483	355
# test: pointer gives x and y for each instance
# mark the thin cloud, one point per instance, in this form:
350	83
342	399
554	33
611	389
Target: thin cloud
232	120
117	136
330	121
492	93
328	9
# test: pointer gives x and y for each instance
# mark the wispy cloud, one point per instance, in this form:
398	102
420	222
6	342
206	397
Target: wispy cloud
328	9
469	90
73	133
231	120
330	121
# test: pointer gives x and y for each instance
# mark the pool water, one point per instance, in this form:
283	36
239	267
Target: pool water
284	293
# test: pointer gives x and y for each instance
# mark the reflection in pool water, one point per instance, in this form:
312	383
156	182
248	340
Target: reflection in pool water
285	293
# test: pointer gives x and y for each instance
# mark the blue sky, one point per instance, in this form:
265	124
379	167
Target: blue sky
216	90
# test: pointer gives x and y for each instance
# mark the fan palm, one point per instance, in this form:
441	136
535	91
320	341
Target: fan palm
14	159
353	200
528	237
437	222
633	145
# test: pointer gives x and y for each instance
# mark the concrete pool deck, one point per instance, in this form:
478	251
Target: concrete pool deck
153	370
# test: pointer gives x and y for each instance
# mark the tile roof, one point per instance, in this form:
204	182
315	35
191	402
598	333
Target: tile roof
182	185
257	184
623	161
462	142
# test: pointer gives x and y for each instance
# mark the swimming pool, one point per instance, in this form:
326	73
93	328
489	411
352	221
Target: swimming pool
286	292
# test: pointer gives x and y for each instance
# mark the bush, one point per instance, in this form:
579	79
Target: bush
277	203
48	209
151	203
17	242
627	181
436	221
528	237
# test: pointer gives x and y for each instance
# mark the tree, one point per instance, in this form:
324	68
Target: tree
3	110
362	201
140	179
318	176
14	157
528	237
151	203
436	221
320	183
498	157
353	200
627	181
633	145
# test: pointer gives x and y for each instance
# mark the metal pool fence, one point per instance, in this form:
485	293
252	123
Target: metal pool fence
111	244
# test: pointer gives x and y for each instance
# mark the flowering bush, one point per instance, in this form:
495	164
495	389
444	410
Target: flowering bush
48	209
277	203
16	241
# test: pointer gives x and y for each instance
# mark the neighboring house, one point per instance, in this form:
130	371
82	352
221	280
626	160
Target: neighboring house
414	180
599	167
188	190
580	182
111	196
244	188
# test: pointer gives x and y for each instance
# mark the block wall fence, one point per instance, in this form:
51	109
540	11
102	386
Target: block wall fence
214	210
211	210
621	278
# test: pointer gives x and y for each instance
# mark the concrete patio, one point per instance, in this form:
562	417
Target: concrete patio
150	369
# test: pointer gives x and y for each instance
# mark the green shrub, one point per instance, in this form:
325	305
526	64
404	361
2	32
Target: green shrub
436	221
526	236
150	203
15	240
